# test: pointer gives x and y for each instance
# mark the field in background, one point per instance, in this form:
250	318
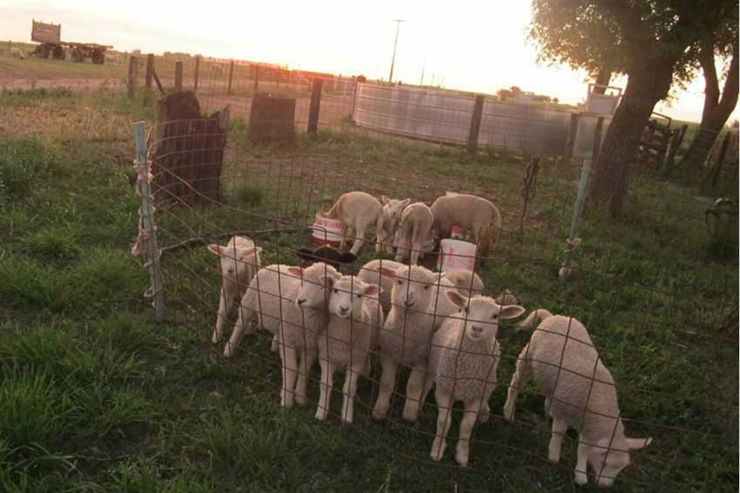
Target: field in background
100	398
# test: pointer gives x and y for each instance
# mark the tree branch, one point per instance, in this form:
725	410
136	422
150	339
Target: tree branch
711	91
635	32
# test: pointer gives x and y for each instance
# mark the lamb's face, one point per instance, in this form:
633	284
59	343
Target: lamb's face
313	293
482	315
609	458
347	295
235	261
412	286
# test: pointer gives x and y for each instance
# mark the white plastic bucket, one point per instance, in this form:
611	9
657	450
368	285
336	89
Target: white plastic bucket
326	231
456	254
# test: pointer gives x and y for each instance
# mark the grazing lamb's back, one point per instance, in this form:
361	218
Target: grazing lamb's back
471	212
416	224
358	211
579	392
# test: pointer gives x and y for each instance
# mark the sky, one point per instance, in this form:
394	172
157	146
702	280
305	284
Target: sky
471	45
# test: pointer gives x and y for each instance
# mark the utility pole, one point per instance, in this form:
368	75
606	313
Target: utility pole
395	44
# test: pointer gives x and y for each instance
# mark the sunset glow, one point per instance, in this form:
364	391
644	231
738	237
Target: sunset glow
467	45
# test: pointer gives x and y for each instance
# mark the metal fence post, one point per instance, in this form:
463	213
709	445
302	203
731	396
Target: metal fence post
231	76
147	228
178	76
197	73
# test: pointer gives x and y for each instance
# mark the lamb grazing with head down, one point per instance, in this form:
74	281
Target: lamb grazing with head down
416	224
388	221
240	259
291	303
477	214
358	212
463	363
579	393
405	337
348	339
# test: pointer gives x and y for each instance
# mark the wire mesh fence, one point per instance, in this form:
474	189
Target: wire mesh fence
650	328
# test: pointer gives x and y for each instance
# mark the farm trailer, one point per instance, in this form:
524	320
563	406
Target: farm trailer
50	44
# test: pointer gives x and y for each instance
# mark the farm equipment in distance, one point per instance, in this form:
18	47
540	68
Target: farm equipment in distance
50	44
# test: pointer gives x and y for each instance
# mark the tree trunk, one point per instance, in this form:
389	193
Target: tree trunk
646	86
715	114
602	77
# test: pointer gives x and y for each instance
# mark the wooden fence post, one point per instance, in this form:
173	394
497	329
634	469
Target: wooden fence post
597	138
716	170
178	76
570	139
197	72
313	110
256	78
132	69
231	76
475	123
149	71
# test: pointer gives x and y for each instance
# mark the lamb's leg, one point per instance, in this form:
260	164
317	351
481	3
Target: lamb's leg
472	408
444	418
245	316
581	476
380	238
290	372
484	414
345	235
350	389
414	391
387	383
275	344
327	382
428	382
359	239
224	305
517	382
308	358
559	427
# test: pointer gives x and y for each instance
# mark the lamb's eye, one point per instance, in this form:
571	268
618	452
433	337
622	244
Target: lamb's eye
336	291
495	316
426	287
399	282
359	296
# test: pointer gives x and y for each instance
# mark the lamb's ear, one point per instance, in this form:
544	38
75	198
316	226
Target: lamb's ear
372	290
249	252
638	443
347	257
327	281
511	311
405	202
456	298
214	249
387	272
385	200
296	271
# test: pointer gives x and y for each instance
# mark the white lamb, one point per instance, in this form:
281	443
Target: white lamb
370	274
16	52
416	224
240	259
388	221
463	363
290	302
348	339
405	337
358	211
477	214
467	282
579	393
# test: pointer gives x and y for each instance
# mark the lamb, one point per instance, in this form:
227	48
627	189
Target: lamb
327	254
240	259
370	273
348	340
467	282
416	224
406	337
579	393
388	221
471	212
290	302
358	211
16	52
463	362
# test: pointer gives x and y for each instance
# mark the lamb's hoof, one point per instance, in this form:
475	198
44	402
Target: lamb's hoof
438	450
379	413
553	458
321	414
462	458
228	352
411	413
346	423
484	416
509	413
581	478
300	399
215	339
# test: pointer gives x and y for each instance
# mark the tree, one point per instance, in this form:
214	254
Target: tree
722	42
647	40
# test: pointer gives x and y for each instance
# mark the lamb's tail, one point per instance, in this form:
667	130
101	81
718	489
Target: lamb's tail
335	209
530	321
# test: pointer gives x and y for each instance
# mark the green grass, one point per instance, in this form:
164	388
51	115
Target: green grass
96	396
